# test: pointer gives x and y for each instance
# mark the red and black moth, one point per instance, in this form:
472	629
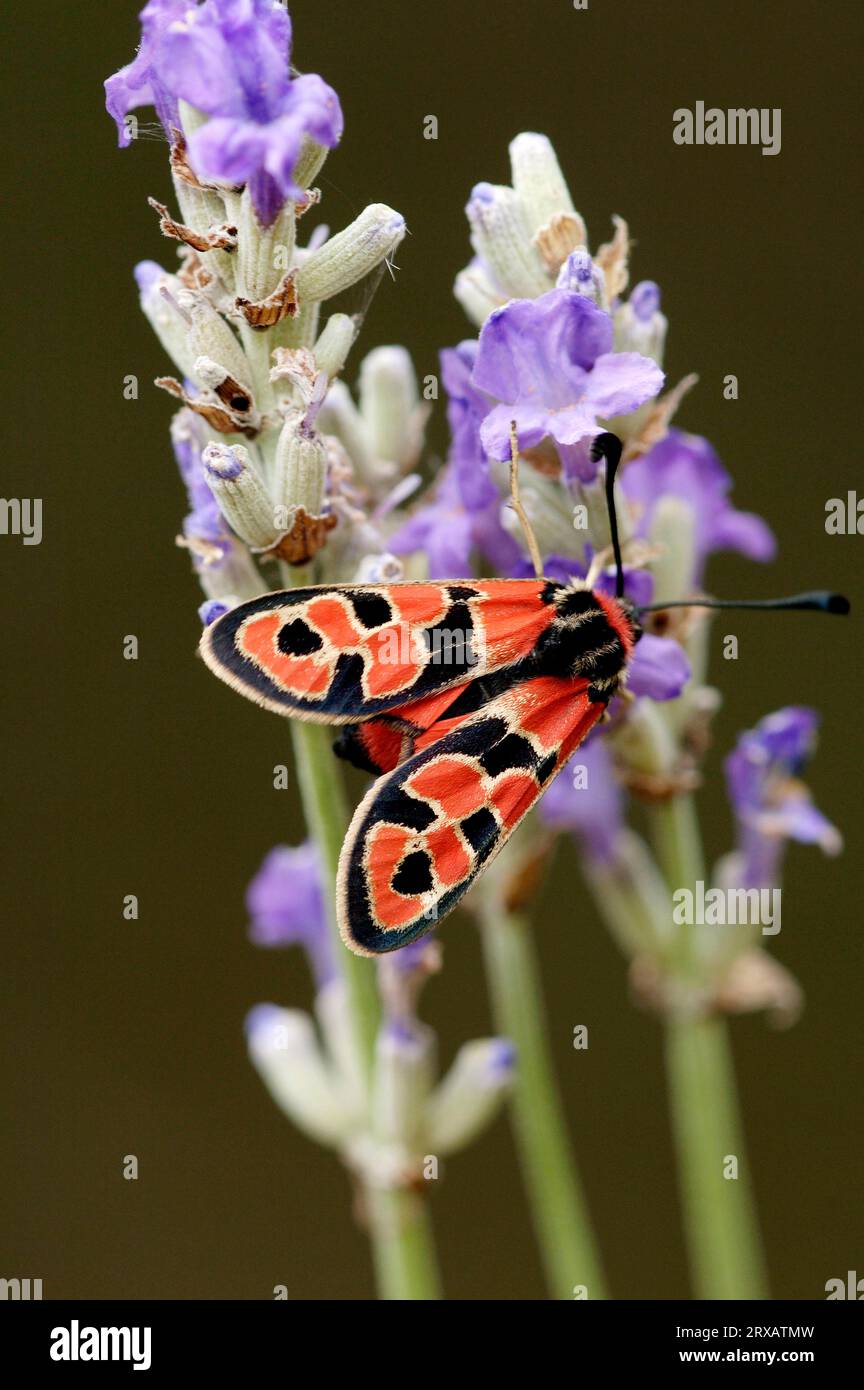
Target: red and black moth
462	747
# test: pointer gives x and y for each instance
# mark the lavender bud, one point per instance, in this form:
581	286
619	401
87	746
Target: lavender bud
673	530
208	335
350	255
286	1054
263	253
403	1078
476	293
470	1095
242	497
580	275
391	407
159	293
334	344
213	608
639	324
301	469
537	179
501	236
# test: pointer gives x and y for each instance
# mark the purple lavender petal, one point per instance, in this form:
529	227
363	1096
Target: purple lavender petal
538	359
659	668
205	523
140	82
743	532
532	425
638	584
229	59
466	409
622	381
442	529
541	347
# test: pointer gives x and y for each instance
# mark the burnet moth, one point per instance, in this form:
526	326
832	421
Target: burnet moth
464	697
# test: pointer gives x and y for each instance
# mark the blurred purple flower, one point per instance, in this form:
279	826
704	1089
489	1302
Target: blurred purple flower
686	467
550	362
448	532
593	810
230	60
285	901
771	804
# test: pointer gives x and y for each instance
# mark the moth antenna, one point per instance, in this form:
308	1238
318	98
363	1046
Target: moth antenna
608	447
820	601
530	539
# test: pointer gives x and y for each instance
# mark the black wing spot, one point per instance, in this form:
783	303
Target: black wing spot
414	874
407	811
298	639
476	738
480	830
450	642
372	610
461	591
512	751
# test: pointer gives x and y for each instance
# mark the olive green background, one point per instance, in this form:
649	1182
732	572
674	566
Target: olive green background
148	777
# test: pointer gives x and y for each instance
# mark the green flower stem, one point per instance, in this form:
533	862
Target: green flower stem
327	817
719	1214
560	1214
406	1265
720	1221
678	842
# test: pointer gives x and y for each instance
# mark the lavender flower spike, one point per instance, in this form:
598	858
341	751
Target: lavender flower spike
550	362
231	61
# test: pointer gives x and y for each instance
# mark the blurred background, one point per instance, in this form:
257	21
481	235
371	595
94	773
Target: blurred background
149	777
